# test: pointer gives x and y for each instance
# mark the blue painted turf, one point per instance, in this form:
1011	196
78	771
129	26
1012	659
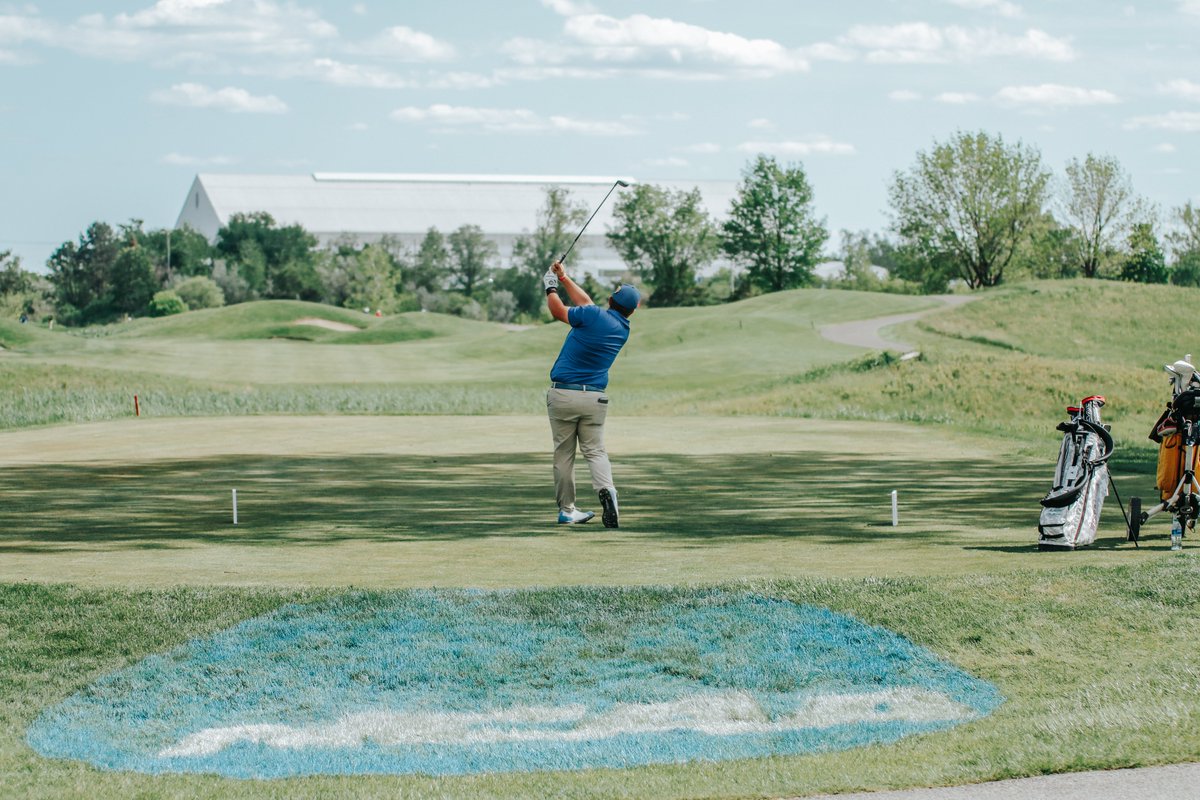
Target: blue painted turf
444	652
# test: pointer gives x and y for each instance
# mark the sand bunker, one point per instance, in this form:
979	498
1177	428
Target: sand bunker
329	324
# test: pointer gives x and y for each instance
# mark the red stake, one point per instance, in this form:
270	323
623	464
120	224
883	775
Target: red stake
137	410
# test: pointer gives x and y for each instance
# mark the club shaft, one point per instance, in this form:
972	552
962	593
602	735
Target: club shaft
562	259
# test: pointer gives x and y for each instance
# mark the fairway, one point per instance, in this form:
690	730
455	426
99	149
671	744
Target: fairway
465	501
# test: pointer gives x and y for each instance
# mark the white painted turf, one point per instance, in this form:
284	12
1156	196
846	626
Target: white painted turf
714	714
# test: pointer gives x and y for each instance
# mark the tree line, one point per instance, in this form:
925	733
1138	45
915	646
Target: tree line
974	211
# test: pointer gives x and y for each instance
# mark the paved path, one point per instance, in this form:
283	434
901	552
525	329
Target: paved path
866	332
1174	782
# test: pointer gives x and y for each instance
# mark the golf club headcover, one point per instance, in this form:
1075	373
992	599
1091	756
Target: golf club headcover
550	281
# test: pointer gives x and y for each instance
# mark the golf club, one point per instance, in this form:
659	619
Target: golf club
622	184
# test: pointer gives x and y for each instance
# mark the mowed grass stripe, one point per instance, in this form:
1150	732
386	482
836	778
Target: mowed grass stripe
468	502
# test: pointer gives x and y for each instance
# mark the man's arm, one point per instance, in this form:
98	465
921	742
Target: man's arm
578	296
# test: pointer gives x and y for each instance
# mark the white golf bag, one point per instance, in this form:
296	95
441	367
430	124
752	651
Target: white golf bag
1071	510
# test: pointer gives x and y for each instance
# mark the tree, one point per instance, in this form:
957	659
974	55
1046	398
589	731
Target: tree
1186	238
13	279
21	292
431	264
80	273
858	271
189	252
665	236
533	253
1186	270
1145	262
771	229
275	262
1098	204
372	281
1051	251
966	207
132	282
471	257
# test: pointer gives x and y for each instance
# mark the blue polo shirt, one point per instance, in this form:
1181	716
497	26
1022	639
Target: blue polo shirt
596	336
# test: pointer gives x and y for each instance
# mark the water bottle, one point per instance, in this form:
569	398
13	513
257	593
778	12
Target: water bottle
1176	534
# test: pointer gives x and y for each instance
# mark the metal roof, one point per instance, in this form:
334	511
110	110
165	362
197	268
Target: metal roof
369	204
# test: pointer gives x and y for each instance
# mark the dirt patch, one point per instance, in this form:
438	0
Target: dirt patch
328	324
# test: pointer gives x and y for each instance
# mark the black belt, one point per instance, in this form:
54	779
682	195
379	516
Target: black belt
578	387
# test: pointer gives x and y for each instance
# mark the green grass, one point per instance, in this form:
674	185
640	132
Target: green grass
1046	638
224	361
468	502
747	448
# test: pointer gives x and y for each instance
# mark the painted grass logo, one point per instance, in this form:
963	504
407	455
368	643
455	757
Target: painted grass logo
449	683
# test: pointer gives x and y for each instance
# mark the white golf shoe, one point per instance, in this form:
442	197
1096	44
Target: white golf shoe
574	516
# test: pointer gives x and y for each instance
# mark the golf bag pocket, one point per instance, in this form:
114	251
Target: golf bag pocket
1071	510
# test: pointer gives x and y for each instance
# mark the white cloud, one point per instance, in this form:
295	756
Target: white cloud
702	148
358	127
1190	7
922	43
1001	7
230	98
179	160
1182	121
462	80
405	44
640	41
904	95
761	123
670	161
359	8
957	98
1165	147
1182	88
819	145
826	51
357	75
1051	95
507	120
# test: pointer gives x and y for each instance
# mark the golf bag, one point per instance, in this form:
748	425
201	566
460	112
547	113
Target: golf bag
1071	510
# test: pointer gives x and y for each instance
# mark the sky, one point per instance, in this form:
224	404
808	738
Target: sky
109	108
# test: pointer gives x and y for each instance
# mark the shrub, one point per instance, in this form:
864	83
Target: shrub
200	292
166	303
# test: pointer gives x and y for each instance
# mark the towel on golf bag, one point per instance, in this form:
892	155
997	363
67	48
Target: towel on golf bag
1170	453
1071	510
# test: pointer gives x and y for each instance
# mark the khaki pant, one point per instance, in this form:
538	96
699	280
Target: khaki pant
578	417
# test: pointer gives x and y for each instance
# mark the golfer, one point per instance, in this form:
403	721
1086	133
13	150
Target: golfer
576	401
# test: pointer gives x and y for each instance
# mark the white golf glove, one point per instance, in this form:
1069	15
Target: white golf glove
550	281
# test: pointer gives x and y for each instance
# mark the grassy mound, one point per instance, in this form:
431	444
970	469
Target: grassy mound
1008	364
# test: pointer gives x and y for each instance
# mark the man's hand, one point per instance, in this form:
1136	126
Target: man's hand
557	269
550	281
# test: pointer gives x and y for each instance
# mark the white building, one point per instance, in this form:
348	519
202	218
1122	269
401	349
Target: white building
367	206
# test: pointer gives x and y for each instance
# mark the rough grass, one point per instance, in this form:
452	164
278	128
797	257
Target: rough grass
1045	638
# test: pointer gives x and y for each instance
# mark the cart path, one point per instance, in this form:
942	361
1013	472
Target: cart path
866	332
1172	782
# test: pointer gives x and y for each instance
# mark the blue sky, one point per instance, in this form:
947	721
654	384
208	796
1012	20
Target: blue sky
108	109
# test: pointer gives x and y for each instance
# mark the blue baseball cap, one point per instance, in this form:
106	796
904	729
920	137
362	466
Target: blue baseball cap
627	297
